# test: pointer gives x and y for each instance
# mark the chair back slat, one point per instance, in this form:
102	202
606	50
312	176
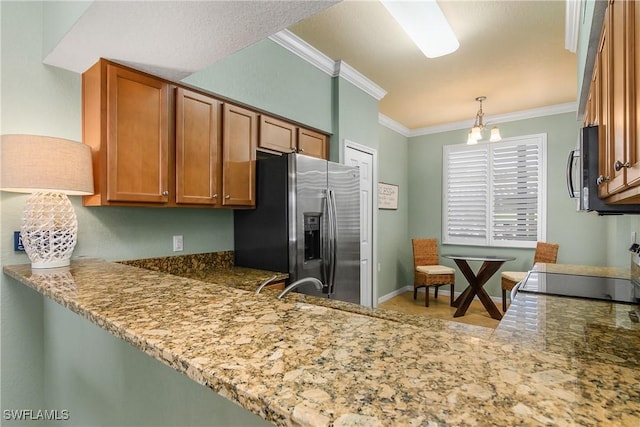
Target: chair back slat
546	252
425	252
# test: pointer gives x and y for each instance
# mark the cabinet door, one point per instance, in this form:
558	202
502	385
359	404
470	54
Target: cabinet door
138	137
197	148
312	143
633	149
239	141
618	119
277	135
604	135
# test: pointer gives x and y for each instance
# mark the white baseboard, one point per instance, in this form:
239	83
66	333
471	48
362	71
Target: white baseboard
441	291
395	293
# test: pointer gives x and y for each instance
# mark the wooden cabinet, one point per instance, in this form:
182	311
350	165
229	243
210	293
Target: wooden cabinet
277	135
126	123
284	137
159	143
617	121
616	75
198	148
312	143
240	138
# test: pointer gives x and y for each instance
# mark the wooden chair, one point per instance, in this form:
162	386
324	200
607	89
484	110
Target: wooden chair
545	252
427	271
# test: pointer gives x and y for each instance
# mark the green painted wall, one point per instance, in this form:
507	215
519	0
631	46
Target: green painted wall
268	77
101	380
355	117
584	238
58	17
394	253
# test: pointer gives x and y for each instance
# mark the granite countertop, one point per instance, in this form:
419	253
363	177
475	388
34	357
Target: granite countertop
552	361
582	270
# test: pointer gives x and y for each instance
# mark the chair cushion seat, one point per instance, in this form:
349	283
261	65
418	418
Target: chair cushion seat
435	269
514	276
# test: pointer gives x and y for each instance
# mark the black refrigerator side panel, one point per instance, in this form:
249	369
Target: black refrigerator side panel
261	235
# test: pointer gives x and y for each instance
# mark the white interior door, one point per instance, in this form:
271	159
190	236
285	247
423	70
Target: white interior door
364	159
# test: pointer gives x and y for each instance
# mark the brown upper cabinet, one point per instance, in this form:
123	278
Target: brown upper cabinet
155	143
312	143
198	148
616	76
277	135
126	123
240	138
284	137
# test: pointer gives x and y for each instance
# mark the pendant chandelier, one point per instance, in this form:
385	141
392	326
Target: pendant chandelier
475	134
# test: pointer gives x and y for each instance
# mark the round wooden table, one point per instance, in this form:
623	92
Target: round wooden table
490	264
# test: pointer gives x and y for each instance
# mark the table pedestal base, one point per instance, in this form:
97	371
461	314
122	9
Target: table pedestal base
476	282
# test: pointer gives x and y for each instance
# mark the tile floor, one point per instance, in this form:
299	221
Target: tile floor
439	308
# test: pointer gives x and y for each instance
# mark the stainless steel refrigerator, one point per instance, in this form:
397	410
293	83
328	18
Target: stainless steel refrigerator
306	223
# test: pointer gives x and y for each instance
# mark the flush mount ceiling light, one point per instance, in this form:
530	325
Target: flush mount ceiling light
475	134
425	23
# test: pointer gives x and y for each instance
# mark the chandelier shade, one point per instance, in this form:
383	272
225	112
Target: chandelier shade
475	134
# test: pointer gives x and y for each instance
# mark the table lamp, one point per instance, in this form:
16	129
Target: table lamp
50	169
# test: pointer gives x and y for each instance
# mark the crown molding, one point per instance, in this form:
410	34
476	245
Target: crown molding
573	12
354	77
313	56
388	122
305	51
501	118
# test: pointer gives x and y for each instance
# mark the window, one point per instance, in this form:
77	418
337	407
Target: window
495	194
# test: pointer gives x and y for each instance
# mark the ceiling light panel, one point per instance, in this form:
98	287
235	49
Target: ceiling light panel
425	24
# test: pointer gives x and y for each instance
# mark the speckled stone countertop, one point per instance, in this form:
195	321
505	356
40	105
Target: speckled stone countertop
552	361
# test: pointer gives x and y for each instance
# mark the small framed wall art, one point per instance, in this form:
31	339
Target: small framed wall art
387	196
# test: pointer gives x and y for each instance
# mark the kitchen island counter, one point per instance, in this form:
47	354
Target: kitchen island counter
292	362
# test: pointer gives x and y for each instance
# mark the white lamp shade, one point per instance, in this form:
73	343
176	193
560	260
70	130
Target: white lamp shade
476	133
32	163
50	169
495	134
471	140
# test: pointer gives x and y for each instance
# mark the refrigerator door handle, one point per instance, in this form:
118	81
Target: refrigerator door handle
333	239
326	242
572	192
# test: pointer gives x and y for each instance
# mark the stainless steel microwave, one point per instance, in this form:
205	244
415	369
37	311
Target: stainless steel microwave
583	174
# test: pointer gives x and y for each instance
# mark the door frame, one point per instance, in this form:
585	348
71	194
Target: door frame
345	143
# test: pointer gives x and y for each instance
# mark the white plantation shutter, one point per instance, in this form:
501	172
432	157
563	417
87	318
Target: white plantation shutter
466	194
494	194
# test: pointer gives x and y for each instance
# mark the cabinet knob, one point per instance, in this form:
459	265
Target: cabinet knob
602	179
165	193
301	150
619	165
228	196
215	196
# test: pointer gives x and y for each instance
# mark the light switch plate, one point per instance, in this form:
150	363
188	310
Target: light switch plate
178	244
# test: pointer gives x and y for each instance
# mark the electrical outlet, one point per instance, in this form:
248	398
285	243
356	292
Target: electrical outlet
17	242
178	244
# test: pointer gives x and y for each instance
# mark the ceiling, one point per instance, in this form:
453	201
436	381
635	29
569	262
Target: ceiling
511	51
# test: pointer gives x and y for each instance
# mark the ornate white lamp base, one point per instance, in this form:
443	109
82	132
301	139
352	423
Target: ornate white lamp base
49	229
